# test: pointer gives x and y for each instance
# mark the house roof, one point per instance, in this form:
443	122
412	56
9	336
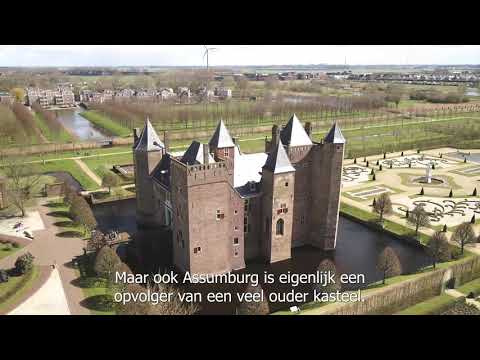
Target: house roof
221	138
278	161
335	135
149	140
293	134
194	154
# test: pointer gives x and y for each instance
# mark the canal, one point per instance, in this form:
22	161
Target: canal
356	253
78	125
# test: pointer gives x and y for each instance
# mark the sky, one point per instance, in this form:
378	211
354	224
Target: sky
193	55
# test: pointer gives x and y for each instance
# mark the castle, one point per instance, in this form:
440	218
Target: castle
225	207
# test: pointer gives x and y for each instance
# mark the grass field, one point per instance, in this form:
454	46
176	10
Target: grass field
432	306
99	165
71	167
15	281
7	250
472	286
106	123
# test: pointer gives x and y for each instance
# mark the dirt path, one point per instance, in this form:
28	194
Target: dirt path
89	172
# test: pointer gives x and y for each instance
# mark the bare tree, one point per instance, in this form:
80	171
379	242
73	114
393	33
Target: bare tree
110	180
438	248
388	264
254	307
22	179
419	218
463	235
383	205
328	266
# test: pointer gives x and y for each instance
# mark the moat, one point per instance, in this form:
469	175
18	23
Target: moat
356	252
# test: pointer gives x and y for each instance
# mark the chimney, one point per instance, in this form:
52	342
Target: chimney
166	141
206	152
136	132
308	129
275	135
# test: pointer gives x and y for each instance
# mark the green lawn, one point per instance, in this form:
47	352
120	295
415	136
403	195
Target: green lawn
391	226
472	286
432	306
71	167
99	165
24	281
7	250
106	123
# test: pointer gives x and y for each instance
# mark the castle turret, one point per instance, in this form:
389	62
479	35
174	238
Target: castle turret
147	154
222	147
326	183
278	183
293	134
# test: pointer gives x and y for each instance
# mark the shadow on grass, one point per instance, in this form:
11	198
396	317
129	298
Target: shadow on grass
98	303
88	282
62	214
70	234
55	205
65	224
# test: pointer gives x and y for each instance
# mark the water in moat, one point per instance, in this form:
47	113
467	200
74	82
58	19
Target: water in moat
78	125
356	253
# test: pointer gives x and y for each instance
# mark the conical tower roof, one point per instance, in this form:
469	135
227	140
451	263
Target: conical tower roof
149	140
221	138
335	135
194	155
293	134
278	161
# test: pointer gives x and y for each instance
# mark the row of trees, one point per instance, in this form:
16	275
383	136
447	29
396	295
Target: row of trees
50	119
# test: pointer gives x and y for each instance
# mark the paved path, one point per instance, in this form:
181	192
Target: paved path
89	172
50	299
50	249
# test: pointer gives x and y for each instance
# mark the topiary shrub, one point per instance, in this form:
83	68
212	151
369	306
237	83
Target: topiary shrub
474	192
450	194
24	263
422	192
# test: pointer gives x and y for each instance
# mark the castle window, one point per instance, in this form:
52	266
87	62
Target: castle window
246	206
235	212
225	152
286	183
235	252
197	250
302	219
280	225
252	185
183	244
220	215
235	241
235	228
283	209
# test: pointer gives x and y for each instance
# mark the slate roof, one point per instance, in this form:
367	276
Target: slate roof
278	161
221	138
194	154
149	140
335	135
294	134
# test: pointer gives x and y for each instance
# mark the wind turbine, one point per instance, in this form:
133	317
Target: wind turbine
206	53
